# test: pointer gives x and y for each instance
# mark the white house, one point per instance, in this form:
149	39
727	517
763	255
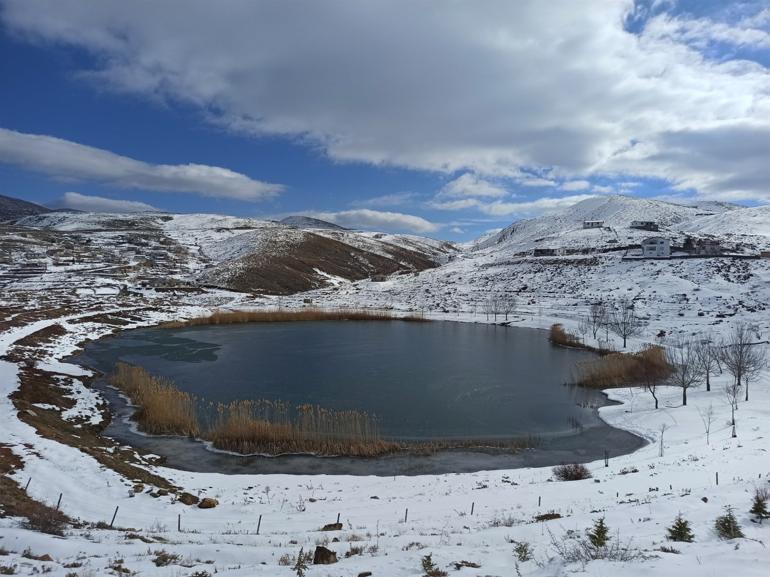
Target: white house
656	247
593	223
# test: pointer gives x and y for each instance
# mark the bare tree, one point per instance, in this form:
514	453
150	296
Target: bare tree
507	304
597	317
623	320
686	371
489	306
584	326
651	376
708	358
756	360
707	417
733	392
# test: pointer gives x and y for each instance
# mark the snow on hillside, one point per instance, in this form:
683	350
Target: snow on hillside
753	221
565	228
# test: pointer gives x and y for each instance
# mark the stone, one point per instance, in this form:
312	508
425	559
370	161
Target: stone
208	503
332	527
365	574
324	556
188	499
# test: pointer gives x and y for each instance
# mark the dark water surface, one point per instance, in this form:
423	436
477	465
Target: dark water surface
437	380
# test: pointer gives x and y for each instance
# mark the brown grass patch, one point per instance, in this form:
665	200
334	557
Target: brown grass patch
624	369
261	426
561	337
286	315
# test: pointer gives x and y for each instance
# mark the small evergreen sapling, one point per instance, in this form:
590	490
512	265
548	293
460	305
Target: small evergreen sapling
759	505
430	569
680	530
599	534
300	567
727	526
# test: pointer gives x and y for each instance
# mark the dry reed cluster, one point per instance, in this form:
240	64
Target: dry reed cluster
561	337
624	369
287	315
247	427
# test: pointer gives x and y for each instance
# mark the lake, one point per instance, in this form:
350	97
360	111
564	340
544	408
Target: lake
422	381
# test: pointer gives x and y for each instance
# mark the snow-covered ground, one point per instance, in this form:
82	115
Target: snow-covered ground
639	495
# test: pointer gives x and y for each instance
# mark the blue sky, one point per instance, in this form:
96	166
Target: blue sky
386	116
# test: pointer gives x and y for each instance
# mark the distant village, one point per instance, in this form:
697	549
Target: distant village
653	246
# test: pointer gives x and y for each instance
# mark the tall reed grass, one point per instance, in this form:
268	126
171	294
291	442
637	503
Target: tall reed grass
288	315
624	369
247	427
162	408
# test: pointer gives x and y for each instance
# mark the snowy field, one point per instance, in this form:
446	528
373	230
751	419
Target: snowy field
471	524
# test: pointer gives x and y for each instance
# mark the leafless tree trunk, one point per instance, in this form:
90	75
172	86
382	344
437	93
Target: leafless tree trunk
623	320
597	317
733	393
708	358
687	371
707	417
507	304
584	326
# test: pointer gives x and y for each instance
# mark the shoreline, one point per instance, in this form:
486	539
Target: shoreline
553	449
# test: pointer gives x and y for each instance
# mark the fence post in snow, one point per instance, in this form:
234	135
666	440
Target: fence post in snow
539	500
473	506
179	522
259	524
717	477
338	517
115	514
27	485
58	503
406	515
606	458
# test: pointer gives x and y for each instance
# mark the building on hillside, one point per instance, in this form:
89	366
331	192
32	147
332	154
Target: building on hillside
379	277
656	247
593	223
650	225
545	252
708	247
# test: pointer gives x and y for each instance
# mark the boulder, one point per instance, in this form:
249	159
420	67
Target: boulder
332	527
324	556
188	499
208	503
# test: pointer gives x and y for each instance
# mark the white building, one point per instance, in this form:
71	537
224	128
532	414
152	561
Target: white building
656	247
593	223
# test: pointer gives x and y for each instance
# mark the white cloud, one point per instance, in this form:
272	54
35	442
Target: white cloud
471	185
368	219
501	208
543	182
72	161
493	89
90	203
576	185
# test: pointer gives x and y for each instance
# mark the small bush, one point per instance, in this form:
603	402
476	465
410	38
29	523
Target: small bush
667	549
623	369
571	472
726	526
7	569
680	530
759	504
559	336
430	569
164	558
522	550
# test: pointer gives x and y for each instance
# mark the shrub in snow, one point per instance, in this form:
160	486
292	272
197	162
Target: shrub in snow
759	505
430	569
727	526
596	544
522	550
680	530
571	472
300	567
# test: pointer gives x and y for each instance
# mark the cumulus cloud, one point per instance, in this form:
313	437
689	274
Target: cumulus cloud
491	89
69	160
368	219
471	185
88	203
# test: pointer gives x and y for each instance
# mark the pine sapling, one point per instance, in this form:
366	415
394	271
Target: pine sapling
680	531
430	569
300	567
759	505
727	526
599	534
